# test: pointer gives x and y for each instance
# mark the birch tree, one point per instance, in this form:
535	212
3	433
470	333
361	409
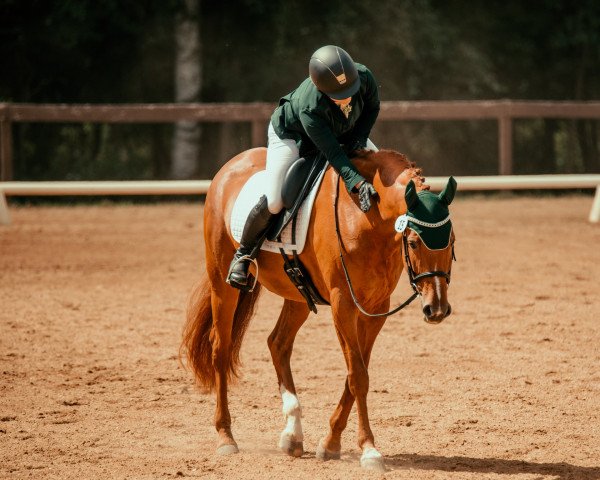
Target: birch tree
188	80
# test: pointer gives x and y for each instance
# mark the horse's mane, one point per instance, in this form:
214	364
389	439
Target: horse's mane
391	165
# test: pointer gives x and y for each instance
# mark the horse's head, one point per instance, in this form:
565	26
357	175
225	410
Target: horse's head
428	242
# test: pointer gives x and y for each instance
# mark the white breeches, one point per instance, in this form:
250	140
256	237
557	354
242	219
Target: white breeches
281	153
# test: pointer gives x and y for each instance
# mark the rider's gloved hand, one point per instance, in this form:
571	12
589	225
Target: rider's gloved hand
365	192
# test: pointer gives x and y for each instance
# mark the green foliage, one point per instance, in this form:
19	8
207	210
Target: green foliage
257	50
81	51
91	151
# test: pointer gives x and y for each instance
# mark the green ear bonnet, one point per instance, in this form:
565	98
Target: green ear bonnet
428	215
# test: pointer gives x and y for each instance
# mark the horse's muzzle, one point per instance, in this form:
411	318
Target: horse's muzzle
436	316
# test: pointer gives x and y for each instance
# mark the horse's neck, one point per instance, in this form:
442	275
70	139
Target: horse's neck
370	239
391	202
389	172
379	221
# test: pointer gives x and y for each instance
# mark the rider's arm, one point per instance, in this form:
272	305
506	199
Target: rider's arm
321	135
364	124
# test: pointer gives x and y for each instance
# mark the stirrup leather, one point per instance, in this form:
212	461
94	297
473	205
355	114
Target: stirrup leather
233	283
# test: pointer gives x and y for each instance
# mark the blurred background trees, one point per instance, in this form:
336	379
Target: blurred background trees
188	82
257	50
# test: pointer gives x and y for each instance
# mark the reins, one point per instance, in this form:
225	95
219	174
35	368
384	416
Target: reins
349	282
413	277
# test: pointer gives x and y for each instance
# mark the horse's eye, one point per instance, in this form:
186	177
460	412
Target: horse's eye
413	244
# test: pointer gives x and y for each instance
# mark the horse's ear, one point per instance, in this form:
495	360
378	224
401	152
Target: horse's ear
447	194
410	195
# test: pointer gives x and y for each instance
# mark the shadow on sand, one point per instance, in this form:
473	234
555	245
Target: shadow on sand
560	471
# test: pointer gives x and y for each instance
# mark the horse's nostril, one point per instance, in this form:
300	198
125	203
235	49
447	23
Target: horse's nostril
427	311
449	310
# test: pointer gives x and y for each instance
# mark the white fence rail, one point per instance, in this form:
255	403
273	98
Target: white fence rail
141	187
193	187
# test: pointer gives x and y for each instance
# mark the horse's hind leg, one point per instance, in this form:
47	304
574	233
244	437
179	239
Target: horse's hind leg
224	300
281	342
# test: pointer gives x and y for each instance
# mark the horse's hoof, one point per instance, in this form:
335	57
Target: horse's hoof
290	446
372	460
227	449
326	454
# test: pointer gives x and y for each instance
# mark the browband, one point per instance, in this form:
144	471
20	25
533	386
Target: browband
402	222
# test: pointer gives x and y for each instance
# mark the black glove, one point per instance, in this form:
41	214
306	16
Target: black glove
365	192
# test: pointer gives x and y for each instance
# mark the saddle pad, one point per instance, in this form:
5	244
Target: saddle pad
248	198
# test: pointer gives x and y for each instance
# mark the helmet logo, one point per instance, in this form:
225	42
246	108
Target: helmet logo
341	78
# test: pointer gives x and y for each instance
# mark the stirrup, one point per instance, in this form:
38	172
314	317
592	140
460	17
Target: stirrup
233	283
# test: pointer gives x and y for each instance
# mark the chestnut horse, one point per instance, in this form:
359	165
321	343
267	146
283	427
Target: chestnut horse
219	314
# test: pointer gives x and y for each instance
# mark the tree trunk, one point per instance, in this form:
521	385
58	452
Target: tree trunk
188	79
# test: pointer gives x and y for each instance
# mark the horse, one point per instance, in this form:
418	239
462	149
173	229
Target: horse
218	314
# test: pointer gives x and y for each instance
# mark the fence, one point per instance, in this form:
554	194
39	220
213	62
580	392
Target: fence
257	114
186	187
504	111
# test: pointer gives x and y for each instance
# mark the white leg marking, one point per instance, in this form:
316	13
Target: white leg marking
371	459
292	413
371	453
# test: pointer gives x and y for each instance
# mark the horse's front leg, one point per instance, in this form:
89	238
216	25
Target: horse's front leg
281	343
357	335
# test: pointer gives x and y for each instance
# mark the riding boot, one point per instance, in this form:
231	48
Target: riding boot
255	229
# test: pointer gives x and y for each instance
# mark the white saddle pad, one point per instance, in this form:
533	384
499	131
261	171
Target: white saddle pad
248	198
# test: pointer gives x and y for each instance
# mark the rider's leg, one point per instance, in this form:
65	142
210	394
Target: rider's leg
257	223
281	153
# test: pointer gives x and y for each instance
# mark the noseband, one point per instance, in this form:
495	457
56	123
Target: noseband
413	277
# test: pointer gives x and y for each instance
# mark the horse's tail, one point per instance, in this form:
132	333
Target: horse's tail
197	344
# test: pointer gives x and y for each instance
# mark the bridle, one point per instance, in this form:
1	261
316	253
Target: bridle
413	277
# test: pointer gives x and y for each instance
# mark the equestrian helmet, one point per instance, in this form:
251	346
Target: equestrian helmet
333	72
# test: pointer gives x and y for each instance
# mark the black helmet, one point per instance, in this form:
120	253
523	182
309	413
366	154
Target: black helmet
333	72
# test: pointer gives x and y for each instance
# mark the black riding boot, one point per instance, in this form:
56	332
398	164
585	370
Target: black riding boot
255	229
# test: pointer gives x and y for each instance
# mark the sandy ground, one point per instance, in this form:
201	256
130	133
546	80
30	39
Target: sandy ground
92	302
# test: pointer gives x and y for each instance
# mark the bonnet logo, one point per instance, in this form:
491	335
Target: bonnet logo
401	223
341	78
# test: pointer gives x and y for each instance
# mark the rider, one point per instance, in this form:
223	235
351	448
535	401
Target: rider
338	104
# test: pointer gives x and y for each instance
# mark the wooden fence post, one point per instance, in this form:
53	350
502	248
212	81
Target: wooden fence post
259	134
505	145
595	211
6	161
4	215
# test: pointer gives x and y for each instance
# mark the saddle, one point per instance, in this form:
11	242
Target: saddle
298	182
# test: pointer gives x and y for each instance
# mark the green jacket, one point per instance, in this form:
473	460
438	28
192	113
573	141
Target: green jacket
316	123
